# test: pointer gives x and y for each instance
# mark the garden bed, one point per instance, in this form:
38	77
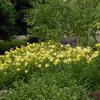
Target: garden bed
50	71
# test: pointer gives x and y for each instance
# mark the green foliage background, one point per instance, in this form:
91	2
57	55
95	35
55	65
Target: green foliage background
8	16
49	19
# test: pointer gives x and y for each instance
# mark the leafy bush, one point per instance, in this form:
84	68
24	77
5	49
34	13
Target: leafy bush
51	20
5	45
18	42
45	27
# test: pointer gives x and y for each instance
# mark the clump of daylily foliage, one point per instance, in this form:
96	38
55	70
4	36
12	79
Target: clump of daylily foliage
45	55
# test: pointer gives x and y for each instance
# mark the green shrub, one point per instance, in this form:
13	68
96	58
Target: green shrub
44	20
5	45
18	42
51	20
